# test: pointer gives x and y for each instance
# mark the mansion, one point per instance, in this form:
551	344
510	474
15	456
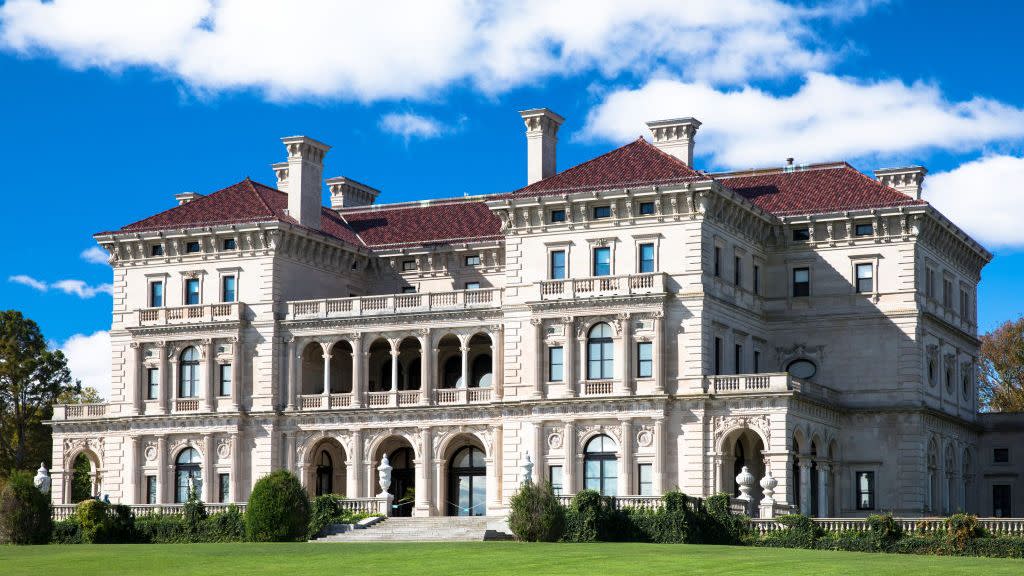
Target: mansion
630	324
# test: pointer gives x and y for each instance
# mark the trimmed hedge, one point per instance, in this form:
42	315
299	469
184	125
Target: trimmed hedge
278	509
536	515
24	511
326	510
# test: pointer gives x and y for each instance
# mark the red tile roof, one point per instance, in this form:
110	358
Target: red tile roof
638	163
445	222
815	189
244	202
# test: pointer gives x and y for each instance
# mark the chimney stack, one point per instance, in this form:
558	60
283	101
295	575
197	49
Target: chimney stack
281	171
303	178
675	137
541	140
907	180
347	193
186	197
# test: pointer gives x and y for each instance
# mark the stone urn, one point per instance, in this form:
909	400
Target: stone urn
42	479
384	476
768	484
746	481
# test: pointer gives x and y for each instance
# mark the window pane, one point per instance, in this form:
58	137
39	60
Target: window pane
225	379
154	383
602	261
863	230
646	208
229	289
558	265
156	294
646	258
555	364
602	211
472	285
555	477
558	215
645	363
192	292
150	489
801	234
646	476
225	488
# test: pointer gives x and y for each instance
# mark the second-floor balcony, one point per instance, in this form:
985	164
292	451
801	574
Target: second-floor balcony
601	286
766	383
196	314
395	303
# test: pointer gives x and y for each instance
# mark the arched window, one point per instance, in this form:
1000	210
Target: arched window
599	352
600	466
481	371
324	474
467	483
187	475
452	376
188	382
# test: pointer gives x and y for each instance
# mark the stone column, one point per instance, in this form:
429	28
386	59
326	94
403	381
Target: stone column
135	387
658	355
210	375
175	386
440	487
237	380
353	466
162	485
569	368
805	485
625	365
165	381
358	383
658	476
625	484
540	469
289	452
209	472
294	356
394	373
465	363
824	471
540	358
494	472
426	367
236	467
569	449
131	467
325	402
423	476
498	361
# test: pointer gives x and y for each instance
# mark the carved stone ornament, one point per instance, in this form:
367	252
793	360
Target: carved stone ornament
224	449
645	437
555	441
150	452
722	424
42	479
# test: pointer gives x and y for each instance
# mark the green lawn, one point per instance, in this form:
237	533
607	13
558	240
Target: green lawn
473	558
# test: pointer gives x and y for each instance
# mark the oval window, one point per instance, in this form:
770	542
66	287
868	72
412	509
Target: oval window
803	369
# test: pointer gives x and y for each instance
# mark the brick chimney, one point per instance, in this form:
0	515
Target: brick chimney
347	193
675	137
541	140
303	179
907	180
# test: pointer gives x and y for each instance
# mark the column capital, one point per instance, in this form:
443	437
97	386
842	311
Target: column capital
537	321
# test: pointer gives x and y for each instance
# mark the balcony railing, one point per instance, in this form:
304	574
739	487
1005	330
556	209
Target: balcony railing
626	285
766	384
186	405
450	396
78	411
198	314
393	398
597	387
1002	526
395	303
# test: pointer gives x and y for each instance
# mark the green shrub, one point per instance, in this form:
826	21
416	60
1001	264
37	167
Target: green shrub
961	529
66	532
536	515
119	527
161	529
91	516
24	511
226	526
583	518
323	511
800	532
719	524
194	514
278	509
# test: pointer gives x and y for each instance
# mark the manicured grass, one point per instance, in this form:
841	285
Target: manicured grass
465	558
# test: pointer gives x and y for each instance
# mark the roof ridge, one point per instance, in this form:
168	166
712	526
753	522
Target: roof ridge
263	201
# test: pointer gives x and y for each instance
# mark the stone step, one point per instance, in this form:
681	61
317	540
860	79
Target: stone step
423	529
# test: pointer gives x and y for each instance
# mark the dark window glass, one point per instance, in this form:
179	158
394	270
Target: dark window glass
801	282
644	360
558	215
1001	455
865	278
473	260
646	258
737	276
865	482
718	356
801	234
153	383
192	247
408	265
472	285
229	244
863	230
224	480
602	261
156	250
555	364
192	291
602	212
558	264
150	489
408	289
187	475
599	352
156	294
757	361
645	476
757	279
646	208
718	261
600	466
555	478
228	289
1001	501
737	358
225	379
188	379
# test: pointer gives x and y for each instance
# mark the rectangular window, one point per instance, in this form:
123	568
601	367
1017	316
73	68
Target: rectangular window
472	285
229	244
947	293
225	379
801	234
224	481
555	478
191	291
156	250
865	278
1001	455
645	477
408	265
863	230
646	258
557	216
757	362
865	482
227	292
602	212
602	261
757	279
964	311
718	261
152	383
156	294
408	289
1001	501
150	489
558	265
801	282
192	247
737	275
555	364
646	208
644	360
718	355
737	358
473	260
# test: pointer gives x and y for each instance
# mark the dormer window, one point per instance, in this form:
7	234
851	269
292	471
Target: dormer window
863	229
229	244
646	208
801	234
408	265
557	216
473	260
156	250
192	247
602	212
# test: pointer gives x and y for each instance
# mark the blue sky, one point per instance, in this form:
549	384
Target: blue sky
110	109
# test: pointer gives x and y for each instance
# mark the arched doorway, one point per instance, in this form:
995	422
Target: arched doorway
323	468
83	478
742	447
187	475
601	466
403	481
467	483
324	474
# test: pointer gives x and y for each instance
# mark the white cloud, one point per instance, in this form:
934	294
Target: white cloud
75	287
982	198
89	360
28	281
95	255
828	118
371	51
409	125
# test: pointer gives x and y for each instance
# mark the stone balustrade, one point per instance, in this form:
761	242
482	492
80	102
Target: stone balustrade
765	383
325	402
451	396
624	285
196	314
597	387
1007	526
395	304
622	502
78	411
372	505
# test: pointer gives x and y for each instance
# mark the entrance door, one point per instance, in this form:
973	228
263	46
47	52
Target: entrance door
403	481
467	483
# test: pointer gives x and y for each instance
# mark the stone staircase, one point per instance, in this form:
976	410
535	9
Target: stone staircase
427	529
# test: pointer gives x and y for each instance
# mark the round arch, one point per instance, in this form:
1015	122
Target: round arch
402	455
82	473
324	468
464	474
742	446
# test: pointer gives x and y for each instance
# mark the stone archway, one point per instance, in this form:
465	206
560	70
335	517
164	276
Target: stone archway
324	468
463	476
83	477
402	458
742	447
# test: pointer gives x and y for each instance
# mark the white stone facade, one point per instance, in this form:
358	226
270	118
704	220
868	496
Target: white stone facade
319	329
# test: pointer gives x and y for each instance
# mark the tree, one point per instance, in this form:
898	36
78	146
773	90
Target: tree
32	377
87	395
1001	382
